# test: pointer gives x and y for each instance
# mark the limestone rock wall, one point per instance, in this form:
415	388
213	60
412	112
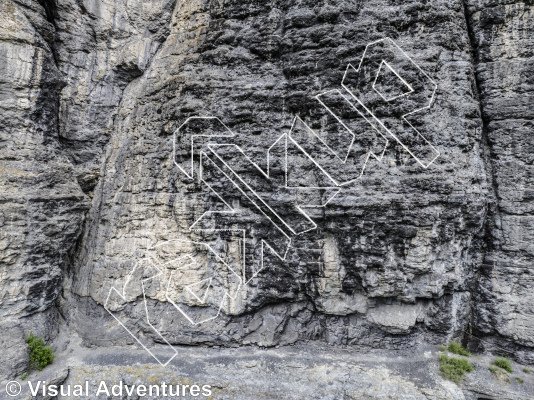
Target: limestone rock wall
503	48
41	204
394	254
93	93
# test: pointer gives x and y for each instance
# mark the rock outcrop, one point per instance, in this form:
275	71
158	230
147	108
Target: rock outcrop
503	49
42	206
394	253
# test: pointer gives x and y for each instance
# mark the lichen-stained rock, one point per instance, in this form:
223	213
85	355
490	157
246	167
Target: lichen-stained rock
433	239
101	46
503	43
41	204
404	237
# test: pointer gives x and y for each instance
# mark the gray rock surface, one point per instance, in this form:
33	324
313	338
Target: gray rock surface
504	52
41	204
93	98
403	237
298	372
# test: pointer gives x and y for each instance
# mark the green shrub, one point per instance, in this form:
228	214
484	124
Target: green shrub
493	368
503	363
527	370
442	348
519	380
457	348
40	355
454	368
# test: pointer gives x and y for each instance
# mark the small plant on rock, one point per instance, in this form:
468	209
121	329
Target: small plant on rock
503	363
453	368
40	355
519	380
527	370
457	348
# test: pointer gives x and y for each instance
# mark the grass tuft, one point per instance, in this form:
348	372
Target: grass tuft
457	348
519	380
453	368
503	363
527	370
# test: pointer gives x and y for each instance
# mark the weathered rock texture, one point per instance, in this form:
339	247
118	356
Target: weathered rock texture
92	92
503	45
298	372
41	204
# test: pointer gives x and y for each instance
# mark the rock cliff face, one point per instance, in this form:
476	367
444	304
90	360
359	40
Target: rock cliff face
431	243
503	49
42	205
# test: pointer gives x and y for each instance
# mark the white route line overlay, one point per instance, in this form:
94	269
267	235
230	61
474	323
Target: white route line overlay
411	90
403	117
123	296
243	282
213	147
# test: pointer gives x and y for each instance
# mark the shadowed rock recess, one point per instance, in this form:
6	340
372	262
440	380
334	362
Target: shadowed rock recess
93	98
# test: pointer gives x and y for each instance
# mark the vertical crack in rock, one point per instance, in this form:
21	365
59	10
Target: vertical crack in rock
102	47
492	205
501	35
41	204
50	9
